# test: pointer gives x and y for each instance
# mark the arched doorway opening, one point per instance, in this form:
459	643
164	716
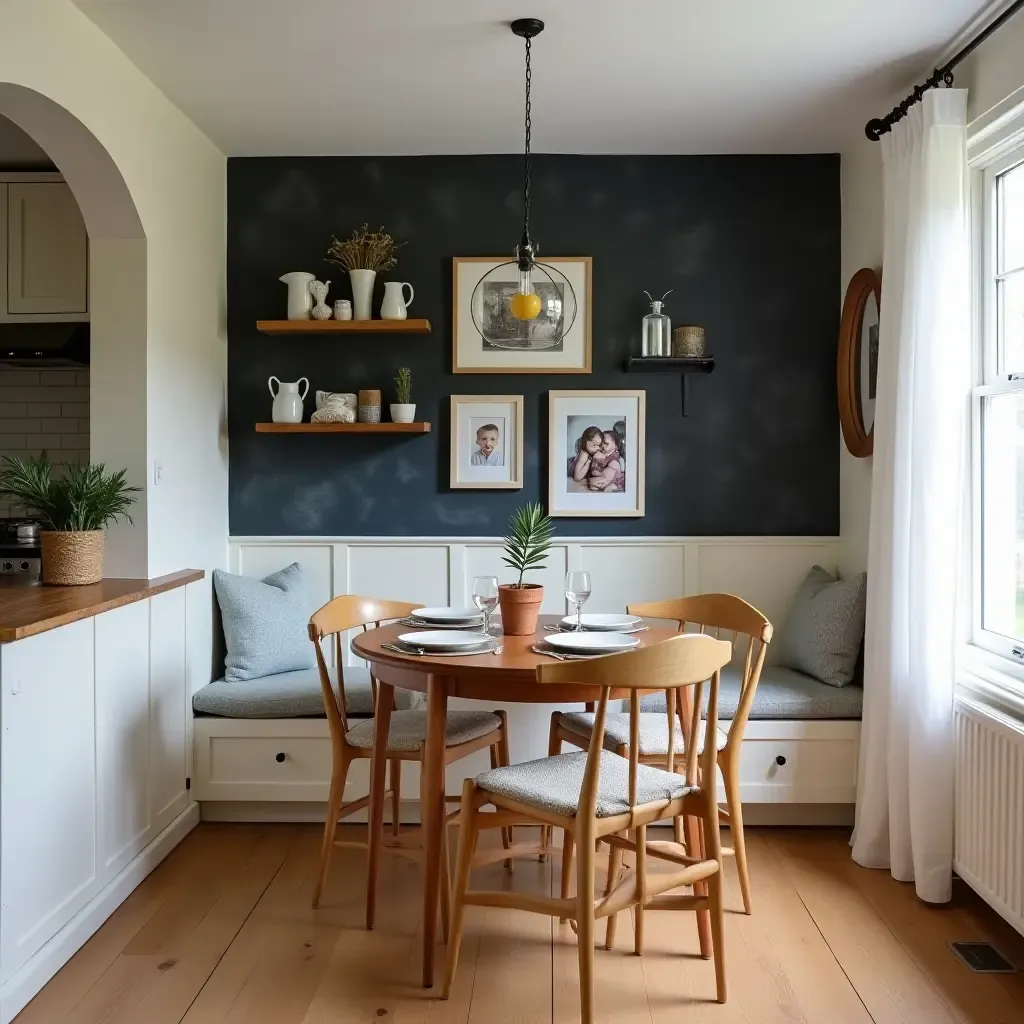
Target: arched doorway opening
117	303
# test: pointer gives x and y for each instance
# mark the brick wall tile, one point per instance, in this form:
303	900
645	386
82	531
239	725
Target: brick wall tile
19	426
13	410
80	409
82	377
59	425
46	442
43	409
60	377
18	378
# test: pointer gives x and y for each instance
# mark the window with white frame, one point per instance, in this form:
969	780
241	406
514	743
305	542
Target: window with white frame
998	415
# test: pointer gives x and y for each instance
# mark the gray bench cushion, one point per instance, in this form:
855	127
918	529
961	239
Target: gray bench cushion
290	695
782	693
653	731
409	729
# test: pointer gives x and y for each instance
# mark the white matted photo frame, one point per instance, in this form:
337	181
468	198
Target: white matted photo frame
596	453
487	441
471	354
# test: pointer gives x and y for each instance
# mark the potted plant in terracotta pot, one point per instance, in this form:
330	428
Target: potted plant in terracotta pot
72	512
526	547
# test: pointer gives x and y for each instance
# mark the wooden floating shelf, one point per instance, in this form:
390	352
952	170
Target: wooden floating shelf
343	326
683	365
342	428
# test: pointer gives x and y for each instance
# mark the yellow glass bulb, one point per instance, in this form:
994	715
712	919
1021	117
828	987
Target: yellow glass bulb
525	306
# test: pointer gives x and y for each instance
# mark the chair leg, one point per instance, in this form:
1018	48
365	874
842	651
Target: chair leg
394	777
567	845
641	881
554	747
378	765
464	860
585	926
715	892
739	845
446	886
695	848
614	869
497	761
334	799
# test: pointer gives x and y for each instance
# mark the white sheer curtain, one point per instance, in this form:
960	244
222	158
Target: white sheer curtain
905	783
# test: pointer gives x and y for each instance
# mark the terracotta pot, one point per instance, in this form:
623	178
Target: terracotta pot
71	558
520	607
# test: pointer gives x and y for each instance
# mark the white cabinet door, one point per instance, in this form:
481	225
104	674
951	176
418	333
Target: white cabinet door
168	708
122	735
47	250
47	787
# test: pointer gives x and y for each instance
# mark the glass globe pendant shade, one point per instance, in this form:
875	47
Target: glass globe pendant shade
499	302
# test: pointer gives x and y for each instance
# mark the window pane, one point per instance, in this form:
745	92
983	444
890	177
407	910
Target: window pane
1010	298
1003	514
1011	219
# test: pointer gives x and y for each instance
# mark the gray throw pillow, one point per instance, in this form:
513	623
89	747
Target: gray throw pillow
825	627
264	623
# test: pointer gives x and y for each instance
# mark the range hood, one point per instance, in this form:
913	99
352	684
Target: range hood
45	345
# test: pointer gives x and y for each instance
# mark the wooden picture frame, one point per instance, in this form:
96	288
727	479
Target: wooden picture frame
470	414
857	361
613	483
470	354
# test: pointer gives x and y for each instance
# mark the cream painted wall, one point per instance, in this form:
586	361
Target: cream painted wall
995	70
158	393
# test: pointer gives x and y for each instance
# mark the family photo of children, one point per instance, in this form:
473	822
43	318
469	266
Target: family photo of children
598	462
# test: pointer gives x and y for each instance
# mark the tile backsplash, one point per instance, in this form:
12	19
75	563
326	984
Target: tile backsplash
44	410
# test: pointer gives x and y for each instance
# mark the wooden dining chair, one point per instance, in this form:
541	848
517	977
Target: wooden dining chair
718	614
465	733
600	797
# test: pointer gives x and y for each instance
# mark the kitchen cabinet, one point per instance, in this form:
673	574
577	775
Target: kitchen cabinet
44	251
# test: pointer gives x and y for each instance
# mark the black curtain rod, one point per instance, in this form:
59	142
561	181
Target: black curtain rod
878	126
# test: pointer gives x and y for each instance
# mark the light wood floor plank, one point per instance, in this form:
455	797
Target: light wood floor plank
223	933
892	986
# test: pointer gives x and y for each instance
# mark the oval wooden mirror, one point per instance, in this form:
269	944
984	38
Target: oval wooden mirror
857	366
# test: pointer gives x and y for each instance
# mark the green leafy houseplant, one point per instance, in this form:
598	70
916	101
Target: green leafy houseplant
403	386
72	511
526	546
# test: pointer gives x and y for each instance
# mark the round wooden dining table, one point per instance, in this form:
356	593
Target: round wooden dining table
508	676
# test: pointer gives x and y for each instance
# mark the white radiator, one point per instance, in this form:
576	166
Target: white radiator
989	839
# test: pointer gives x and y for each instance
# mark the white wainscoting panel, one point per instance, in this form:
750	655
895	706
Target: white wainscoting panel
410	572
316	560
628	573
485	560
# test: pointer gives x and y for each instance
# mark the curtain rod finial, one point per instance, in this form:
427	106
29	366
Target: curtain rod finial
875	128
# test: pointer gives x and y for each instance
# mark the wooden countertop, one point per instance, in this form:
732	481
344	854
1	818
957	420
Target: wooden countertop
28	610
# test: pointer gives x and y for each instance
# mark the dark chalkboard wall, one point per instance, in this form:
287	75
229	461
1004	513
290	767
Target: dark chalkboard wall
750	245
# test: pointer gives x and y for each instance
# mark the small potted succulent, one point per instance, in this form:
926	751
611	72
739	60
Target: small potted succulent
526	547
403	410
72	512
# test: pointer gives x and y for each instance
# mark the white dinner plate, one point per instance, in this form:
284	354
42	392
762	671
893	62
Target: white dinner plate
597	642
445	639
612	622
448	614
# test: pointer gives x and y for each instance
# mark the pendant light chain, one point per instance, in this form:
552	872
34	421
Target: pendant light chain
527	188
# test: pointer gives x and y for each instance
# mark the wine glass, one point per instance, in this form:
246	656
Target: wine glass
485	597
577	590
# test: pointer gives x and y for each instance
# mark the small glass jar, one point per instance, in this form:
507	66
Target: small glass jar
656	339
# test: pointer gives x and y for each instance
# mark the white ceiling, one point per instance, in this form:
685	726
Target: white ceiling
264	77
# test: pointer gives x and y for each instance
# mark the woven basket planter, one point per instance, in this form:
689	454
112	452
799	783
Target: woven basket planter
72	558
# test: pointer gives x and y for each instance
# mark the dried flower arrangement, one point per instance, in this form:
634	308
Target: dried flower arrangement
365	250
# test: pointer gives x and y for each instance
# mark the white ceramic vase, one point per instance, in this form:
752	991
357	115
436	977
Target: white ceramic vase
362	293
287	400
403	412
395	304
318	289
300	301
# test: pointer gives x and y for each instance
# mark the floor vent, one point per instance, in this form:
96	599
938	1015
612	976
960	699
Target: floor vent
982	958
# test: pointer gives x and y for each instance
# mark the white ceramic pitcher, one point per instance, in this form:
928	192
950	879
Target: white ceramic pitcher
395	303
300	302
287	400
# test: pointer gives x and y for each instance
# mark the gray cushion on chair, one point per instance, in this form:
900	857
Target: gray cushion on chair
264	623
289	695
408	729
653	730
825	627
554	784
781	694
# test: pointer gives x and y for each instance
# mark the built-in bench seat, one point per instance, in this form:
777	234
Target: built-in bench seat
290	695
782	695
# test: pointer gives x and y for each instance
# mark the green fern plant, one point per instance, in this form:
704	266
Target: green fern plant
86	498
403	386
528	541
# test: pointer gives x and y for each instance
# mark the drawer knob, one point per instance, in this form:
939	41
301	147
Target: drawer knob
279	758
780	760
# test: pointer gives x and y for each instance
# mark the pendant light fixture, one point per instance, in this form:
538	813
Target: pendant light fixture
524	304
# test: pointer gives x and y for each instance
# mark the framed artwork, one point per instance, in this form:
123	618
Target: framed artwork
857	366
487	441
472	354
596	449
